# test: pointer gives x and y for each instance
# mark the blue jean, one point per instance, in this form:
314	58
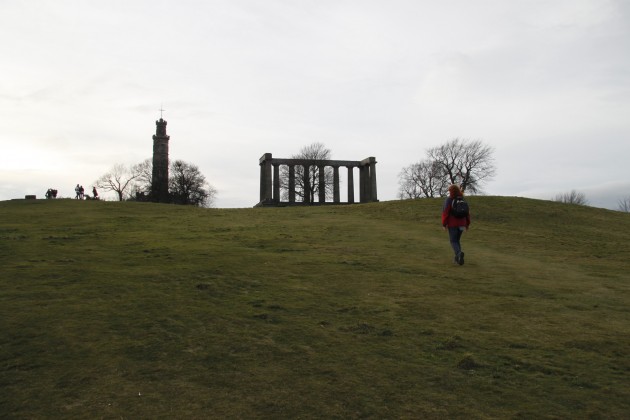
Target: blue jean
454	235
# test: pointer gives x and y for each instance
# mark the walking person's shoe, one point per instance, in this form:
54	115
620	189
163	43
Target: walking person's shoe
460	258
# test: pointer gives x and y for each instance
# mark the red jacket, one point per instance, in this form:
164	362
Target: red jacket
451	221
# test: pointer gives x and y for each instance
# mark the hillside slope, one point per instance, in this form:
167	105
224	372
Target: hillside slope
147	310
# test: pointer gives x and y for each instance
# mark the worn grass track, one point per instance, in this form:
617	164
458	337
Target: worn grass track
135	310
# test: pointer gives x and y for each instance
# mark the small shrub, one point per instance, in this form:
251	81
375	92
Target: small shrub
468	362
450	343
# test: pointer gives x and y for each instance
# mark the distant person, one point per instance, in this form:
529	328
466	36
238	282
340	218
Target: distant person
94	193
82	192
455	219
77	190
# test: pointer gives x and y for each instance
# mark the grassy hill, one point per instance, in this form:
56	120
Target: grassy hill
136	310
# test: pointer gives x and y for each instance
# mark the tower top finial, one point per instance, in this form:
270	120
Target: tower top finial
161	111
160	128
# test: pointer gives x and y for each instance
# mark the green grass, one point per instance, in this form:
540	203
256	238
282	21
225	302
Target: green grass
137	310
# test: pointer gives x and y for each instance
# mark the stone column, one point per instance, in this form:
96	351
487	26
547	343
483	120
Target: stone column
262	182
307	185
322	184
336	184
373	194
350	184
268	181
276	183
291	183
363	183
266	193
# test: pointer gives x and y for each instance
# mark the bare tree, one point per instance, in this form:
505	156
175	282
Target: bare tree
314	151
142	184
119	179
468	163
187	185
144	170
572	197
624	205
424	179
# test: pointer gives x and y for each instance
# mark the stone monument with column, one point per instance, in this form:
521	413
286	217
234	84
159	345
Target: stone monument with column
270	180
159	179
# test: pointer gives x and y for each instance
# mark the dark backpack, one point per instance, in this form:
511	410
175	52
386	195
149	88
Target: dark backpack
459	208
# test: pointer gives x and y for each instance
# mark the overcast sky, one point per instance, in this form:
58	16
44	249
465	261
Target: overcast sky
546	83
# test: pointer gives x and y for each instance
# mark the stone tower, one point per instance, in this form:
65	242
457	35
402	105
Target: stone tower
159	180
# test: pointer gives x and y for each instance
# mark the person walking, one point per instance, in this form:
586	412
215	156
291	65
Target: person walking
455	219
94	193
77	190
